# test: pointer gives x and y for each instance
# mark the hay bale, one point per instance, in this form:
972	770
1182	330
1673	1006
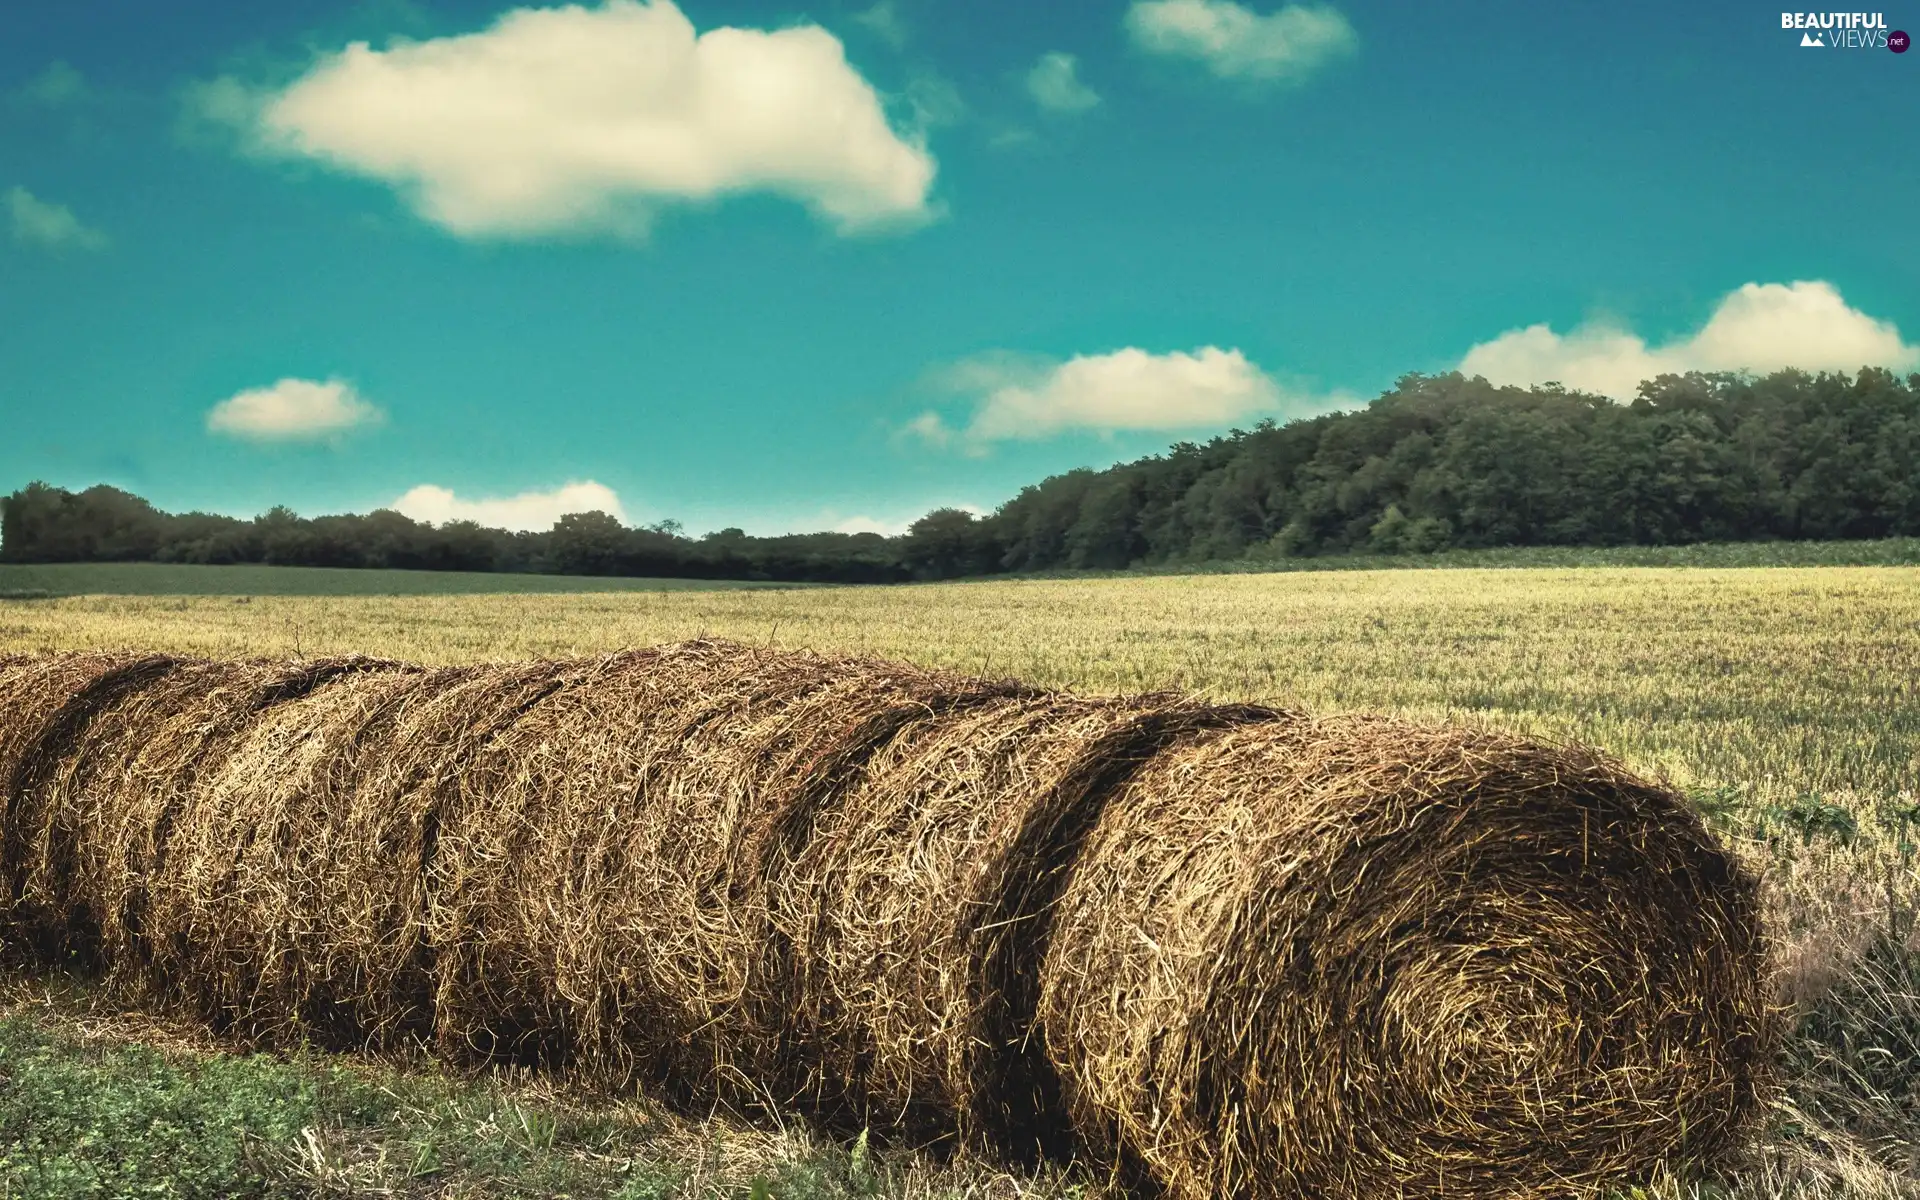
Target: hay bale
917	913
108	809
33	688
148	755
376	855
1358	957
50	704
600	895
244	916
1232	951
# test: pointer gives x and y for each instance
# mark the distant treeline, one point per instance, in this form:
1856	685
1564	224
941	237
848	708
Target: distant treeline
1438	462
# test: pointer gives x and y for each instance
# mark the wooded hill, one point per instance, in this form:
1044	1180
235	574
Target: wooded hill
1437	462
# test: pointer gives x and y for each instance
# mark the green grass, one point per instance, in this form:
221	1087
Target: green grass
51	580
88	1112
104	1119
48	580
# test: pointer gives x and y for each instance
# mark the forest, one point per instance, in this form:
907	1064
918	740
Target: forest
1437	462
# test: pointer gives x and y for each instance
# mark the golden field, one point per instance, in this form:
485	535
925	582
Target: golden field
1786	700
1782	680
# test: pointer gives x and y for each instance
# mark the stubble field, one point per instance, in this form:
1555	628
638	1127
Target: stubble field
1786	701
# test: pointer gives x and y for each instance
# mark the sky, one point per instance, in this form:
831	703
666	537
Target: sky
794	267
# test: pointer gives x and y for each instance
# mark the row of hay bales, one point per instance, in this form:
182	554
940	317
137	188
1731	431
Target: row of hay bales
1228	951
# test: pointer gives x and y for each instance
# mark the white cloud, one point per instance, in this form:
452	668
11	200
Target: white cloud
883	20
930	428
1128	389
573	121
60	84
1054	83
1237	43
1760	327
293	410
528	511
38	222
866	524
933	101
891	519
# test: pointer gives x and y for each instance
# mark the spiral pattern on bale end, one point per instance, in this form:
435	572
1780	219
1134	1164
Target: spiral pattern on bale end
1357	957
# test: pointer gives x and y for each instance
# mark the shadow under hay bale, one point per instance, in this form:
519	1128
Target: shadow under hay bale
1357	957
915	912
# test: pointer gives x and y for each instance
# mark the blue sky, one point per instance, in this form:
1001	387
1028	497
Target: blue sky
805	267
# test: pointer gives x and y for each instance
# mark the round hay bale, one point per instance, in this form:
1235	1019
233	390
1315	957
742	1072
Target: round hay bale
1357	957
500	911
110	808
918	912
150	753
599	898
244	913
34	687
52	703
379	849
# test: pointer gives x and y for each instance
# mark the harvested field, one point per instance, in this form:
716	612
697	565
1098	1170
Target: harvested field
1233	950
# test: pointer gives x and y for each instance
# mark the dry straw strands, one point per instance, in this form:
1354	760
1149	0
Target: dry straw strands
33	692
49	703
1235	951
1356	957
913	911
602	869
257	919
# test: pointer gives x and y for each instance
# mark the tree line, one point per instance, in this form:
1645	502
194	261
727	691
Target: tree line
1436	462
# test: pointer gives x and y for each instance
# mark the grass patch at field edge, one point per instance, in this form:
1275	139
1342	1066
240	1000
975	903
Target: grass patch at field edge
43	581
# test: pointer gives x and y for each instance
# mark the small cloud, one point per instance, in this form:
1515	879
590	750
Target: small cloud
934	102
222	112
866	524
883	21
38	222
1055	85
900	522
1128	389
527	512
1013	137
578	121
931	428
57	86
293	410
1759	327
1018	397
1234	42
890	522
